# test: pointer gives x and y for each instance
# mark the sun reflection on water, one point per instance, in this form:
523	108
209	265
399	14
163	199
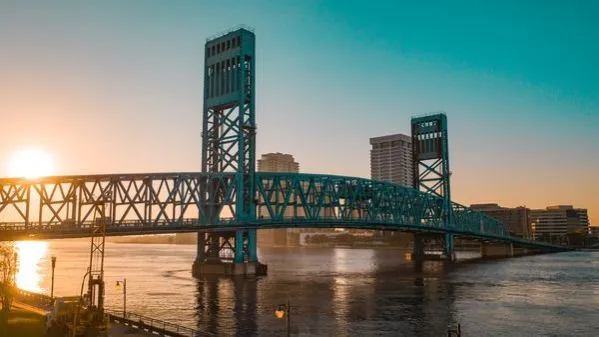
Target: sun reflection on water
30	255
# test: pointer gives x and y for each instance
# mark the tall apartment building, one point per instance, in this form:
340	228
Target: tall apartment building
275	162
555	222
516	218
391	159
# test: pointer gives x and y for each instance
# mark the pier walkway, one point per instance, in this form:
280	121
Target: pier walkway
128	325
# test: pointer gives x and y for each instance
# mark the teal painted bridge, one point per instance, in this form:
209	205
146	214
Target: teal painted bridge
134	204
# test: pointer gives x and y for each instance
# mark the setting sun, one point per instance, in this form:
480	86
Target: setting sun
31	163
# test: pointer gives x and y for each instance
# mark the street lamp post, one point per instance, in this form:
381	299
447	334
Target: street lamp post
118	284
284	311
288	319
52	286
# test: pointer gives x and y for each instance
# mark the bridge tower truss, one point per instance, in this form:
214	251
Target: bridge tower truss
430	157
229	145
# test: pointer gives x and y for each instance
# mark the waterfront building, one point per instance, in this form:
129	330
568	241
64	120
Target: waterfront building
275	162
515	218
554	223
594	231
391	159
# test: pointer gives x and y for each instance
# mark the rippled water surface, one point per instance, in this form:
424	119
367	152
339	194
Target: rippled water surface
360	292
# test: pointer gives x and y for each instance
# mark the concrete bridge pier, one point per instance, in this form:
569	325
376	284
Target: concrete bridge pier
428	246
231	253
449	248
496	250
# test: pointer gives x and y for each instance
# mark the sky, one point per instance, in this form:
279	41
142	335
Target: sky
116	86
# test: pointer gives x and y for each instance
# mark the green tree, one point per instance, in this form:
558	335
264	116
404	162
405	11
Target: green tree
8	271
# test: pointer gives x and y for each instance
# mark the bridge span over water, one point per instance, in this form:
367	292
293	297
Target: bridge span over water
228	200
134	204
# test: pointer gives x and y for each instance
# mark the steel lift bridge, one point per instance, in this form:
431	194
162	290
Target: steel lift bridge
222	201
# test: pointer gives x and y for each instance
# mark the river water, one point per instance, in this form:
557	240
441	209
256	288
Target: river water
336	291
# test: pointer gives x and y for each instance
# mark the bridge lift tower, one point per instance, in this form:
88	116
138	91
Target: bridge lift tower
229	145
430	158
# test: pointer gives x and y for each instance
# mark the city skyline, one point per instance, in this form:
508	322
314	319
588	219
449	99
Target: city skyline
117	88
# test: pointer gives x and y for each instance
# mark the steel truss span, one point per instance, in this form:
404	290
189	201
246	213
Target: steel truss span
62	207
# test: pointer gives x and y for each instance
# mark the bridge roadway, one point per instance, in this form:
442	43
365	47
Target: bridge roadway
135	204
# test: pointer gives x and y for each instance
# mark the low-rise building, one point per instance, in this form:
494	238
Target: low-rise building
515	218
554	223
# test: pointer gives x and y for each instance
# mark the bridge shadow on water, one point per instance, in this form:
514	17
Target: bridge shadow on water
390	299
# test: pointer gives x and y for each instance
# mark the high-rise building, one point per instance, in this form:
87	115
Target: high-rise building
555	222
391	159
275	162
516	218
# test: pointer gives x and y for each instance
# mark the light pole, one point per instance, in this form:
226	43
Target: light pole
52	286
118	284
284	311
288	319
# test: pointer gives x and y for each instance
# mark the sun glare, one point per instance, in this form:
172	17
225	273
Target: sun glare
31	163
30	255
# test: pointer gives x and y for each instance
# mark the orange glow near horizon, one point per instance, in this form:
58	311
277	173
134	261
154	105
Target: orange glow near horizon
30	163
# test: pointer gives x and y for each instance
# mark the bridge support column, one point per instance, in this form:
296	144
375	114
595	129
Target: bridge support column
252	246
449	248
418	248
227	254
433	247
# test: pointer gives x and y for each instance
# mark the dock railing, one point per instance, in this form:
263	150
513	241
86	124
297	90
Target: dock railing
160	327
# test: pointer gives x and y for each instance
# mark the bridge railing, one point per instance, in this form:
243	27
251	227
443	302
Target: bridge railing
37	300
57	225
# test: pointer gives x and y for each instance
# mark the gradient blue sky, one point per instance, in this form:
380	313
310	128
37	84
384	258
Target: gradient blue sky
116	86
